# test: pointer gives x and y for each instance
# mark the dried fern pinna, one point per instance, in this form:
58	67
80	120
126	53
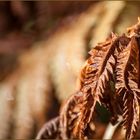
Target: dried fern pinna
116	60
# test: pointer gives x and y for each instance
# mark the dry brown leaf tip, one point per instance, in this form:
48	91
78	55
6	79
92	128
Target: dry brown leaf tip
49	130
116	60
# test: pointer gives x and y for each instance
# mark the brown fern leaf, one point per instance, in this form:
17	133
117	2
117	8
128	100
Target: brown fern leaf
49	130
110	103
95	77
119	56
85	115
127	80
131	114
69	114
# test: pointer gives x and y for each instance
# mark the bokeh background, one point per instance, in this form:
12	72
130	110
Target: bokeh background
43	45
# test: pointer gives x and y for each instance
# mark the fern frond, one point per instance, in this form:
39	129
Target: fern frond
49	130
127	83
130	114
95	77
69	114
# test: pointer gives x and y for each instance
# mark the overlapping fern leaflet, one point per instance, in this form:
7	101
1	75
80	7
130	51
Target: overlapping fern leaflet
49	130
117	60
69	114
127	79
130	114
95	78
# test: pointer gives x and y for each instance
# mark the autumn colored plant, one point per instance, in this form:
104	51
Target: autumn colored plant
110	77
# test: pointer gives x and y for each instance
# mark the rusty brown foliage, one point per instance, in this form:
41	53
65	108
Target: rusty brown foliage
114	61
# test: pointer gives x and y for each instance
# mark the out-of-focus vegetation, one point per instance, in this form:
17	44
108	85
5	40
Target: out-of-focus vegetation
43	45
